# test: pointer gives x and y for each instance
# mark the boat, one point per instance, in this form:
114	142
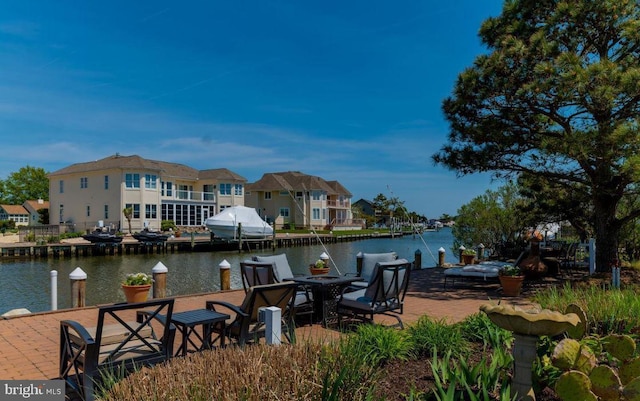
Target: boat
225	224
102	237
150	236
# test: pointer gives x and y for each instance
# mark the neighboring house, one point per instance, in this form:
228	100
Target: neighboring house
293	199
375	215
32	206
17	213
94	193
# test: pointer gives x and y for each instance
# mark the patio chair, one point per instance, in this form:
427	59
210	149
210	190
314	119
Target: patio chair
122	339
384	294
303	301
366	263
244	326
256	273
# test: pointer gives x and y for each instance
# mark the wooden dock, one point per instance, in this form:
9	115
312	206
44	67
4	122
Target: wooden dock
183	244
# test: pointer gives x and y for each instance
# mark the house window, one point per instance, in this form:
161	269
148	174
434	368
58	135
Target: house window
150	181
61	186
316	195
166	188
209	192
316	213
284	193
136	209
150	211
88	211
284	211
106	182
299	194
106	211
267	195
132	180
61	213
238	189
184	191
84	182
225	189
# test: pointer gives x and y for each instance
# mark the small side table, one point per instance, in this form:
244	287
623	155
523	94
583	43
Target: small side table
186	322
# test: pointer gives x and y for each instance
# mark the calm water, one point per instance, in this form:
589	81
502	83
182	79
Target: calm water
26	283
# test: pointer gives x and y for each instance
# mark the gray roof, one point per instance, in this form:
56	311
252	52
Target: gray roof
296	181
173	170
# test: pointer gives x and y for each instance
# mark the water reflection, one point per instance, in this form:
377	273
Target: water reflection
25	283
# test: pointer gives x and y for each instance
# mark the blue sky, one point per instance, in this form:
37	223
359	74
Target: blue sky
349	91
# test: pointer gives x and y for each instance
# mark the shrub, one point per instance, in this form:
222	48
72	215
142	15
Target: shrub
427	333
377	344
165	225
479	328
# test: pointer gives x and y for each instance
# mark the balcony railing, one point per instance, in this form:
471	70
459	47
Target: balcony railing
337	203
196	196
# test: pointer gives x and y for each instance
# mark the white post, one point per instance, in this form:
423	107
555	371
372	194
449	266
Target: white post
441	256
592	256
481	251
54	290
272	318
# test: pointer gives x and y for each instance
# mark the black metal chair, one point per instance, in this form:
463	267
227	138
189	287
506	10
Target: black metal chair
384	294
122	339
244	326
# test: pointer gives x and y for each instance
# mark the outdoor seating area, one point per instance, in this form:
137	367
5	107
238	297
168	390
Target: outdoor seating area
486	271
116	341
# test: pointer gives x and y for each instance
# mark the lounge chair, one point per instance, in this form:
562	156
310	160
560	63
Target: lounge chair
244	326
384	294
487	271
366	264
303	301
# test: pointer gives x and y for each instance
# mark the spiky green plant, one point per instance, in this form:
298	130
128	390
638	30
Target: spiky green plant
428	334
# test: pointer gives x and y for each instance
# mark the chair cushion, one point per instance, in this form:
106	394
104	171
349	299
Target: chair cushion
387	278
369	261
283	270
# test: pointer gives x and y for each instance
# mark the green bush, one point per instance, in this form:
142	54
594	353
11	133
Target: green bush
165	225
427	334
377	344
479	328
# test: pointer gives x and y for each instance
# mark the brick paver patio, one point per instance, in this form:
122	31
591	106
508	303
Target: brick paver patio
29	344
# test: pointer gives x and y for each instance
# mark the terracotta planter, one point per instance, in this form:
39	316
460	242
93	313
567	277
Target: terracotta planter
468	259
136	293
316	271
511	285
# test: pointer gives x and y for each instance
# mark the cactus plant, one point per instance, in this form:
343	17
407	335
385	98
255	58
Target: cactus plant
584	379
605	383
575	386
578	331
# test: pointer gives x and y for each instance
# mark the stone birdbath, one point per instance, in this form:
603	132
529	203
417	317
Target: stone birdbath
527	327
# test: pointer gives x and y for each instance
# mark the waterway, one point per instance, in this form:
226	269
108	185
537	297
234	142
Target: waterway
25	283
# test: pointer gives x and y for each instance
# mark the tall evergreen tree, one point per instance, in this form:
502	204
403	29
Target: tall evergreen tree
557	96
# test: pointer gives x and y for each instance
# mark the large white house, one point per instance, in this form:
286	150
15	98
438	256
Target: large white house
300	200
93	193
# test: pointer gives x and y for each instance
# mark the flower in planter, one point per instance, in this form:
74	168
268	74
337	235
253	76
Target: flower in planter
510	270
469	252
320	264
138	279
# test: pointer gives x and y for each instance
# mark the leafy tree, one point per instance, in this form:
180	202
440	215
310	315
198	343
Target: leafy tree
25	184
381	203
557	96
491	219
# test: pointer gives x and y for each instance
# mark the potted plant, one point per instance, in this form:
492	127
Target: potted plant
136	287
511	279
468	256
318	268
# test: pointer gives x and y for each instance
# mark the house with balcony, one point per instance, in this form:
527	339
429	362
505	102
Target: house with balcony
297	200
96	193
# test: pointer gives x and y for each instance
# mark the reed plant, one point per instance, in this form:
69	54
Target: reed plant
608	310
478	328
428	334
